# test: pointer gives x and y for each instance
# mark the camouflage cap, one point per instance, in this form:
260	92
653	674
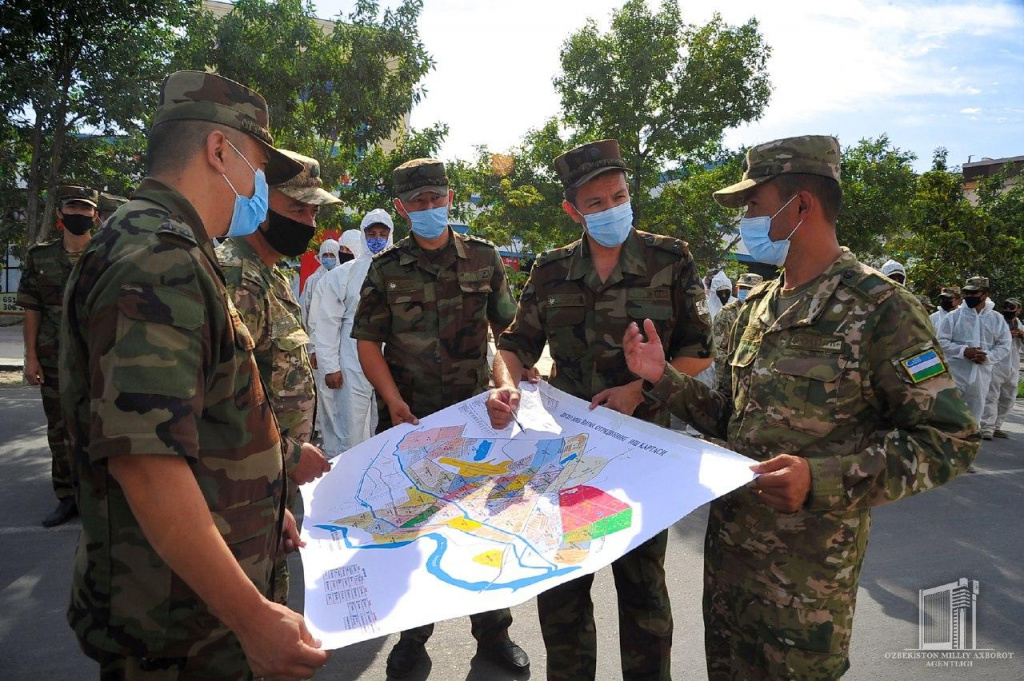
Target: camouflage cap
749	280
66	193
975	284
578	166
950	291
110	202
418	176
1011	304
199	96
307	186
812	154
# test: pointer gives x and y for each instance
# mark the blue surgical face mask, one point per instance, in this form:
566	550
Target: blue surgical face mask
430	223
328	261
759	244
742	294
610	227
376	244
249	212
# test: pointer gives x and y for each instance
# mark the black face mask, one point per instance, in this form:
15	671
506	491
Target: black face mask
946	303
77	224
972	301
344	257
723	296
288	237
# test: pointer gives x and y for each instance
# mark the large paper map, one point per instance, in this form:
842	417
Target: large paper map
450	517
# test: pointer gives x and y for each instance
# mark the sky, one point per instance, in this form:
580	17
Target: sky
929	73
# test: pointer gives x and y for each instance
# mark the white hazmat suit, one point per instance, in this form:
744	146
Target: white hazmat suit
715	305
964	328
1003	390
354	418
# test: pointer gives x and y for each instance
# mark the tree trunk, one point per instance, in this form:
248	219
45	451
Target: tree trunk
32	183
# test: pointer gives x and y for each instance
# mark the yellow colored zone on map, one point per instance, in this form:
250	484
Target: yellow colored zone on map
490	558
461	523
471	469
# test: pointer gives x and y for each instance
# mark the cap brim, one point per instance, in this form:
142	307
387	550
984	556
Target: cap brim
735	196
435	188
314	196
280	168
85	201
971	289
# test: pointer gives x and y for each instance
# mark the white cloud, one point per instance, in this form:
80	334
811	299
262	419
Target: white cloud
971	110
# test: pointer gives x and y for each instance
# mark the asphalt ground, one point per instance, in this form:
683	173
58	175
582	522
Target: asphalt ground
972	528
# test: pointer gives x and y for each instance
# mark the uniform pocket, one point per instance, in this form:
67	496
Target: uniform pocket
564	317
157	347
818	393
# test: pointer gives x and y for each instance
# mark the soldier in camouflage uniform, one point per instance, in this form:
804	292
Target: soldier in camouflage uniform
46	270
839	388
726	317
176	451
579	300
262	294
108	204
430	299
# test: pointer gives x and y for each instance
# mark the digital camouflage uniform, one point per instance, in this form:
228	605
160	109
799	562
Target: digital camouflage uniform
433	315
582	319
851	378
263	297
720	329
156	361
45	273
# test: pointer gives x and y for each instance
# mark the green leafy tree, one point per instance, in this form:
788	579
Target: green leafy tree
667	90
878	191
68	67
953	239
335	92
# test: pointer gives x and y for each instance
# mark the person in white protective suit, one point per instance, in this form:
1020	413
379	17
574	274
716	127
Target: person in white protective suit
949	300
355	407
720	294
974	339
1005	376
895	271
328	258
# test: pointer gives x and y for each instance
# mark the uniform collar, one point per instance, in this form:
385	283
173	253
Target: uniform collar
412	252
813	301
173	202
247	253
631	260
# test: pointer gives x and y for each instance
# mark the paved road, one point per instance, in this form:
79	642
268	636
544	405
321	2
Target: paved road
971	528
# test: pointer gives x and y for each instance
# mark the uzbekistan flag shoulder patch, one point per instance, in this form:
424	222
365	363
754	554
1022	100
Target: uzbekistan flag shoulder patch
923	366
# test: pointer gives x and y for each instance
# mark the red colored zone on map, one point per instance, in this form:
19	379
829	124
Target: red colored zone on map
583	505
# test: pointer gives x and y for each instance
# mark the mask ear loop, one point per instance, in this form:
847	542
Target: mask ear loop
784	208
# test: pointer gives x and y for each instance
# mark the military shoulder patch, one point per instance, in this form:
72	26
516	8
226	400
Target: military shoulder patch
923	366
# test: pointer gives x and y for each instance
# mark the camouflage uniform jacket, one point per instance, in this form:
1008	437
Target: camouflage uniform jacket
721	329
831	380
433	317
44	274
263	297
155	361
583	319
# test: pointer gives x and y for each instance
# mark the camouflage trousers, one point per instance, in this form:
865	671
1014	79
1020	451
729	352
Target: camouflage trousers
221	661
750	638
280	580
60	463
645	619
485	626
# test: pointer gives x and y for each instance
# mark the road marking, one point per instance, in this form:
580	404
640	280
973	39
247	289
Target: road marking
4	531
1008	471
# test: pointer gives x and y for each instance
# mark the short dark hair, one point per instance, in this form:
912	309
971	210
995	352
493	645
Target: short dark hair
173	144
828	192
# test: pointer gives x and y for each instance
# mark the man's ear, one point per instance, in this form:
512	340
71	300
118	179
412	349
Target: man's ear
400	208
571	211
216	147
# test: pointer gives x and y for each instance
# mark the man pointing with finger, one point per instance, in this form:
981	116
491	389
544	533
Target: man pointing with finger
836	383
